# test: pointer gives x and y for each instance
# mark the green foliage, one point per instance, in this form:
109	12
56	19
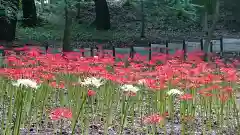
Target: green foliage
48	32
184	7
209	5
125	23
9	8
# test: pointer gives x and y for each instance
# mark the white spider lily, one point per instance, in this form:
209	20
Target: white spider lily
129	88
142	82
26	83
92	81
174	92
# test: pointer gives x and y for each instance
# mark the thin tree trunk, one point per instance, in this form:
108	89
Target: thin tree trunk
102	15
29	13
8	24
211	30
143	20
205	23
67	30
78	9
42	6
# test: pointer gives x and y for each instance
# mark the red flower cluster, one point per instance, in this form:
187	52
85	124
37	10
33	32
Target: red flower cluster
186	97
91	93
59	113
153	119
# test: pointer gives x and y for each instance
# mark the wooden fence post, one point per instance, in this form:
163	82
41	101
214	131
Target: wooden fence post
211	47
167	47
2	55
131	52
46	46
82	48
113	51
184	49
221	46
201	44
91	51
150	51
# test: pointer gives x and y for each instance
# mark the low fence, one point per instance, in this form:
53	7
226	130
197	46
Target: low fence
148	47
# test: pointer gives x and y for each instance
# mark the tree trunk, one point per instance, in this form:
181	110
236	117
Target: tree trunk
143	20
8	24
205	23
211	30
78	9
102	15
29	13
67	30
42	6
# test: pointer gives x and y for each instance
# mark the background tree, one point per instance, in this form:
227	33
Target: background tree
213	26
67	29
102	20
142	20
8	20
209	7
29	13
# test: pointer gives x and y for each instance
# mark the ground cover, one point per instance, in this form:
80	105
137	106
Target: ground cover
161	22
46	93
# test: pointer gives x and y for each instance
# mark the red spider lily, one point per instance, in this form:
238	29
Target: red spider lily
205	94
25	48
209	89
56	85
166	114
47	76
129	93
223	97
153	119
228	89
35	52
91	93
186	97
60	113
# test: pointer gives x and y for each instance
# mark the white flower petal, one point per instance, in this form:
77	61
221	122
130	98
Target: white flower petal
174	92
129	88
26	83
92	81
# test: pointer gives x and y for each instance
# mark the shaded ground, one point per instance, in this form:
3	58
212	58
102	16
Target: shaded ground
161	22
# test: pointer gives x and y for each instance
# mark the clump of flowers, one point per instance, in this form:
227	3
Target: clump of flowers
186	97
174	92
153	119
142	82
129	90
26	82
60	113
91	93
92	81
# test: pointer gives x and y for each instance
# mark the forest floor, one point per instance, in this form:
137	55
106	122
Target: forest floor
161	23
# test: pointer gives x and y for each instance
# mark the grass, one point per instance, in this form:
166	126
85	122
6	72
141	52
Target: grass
50	93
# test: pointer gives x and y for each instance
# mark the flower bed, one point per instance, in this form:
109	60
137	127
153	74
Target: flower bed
70	94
